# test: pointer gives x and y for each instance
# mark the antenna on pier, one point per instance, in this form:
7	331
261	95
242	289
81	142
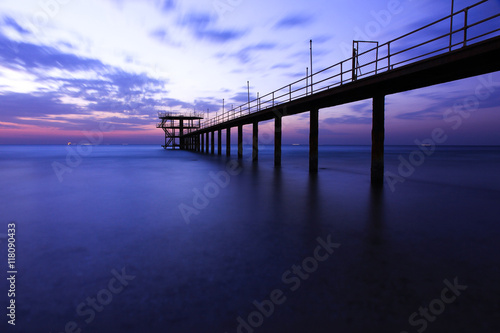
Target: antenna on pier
311	60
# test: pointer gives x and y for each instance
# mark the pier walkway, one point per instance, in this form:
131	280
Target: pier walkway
461	45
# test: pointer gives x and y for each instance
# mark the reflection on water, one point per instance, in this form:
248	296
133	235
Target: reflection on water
120	208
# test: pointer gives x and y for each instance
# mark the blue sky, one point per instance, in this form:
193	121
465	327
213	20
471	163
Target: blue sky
67	65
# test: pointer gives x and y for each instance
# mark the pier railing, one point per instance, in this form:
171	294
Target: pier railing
462	28
166	114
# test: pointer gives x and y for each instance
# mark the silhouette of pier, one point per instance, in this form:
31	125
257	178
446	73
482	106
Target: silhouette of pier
177	126
460	45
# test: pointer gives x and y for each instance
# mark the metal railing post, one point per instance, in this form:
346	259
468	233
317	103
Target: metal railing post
307	81
341	73
354	64
466	12
389	56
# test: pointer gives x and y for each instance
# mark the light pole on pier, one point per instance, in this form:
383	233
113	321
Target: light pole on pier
311	60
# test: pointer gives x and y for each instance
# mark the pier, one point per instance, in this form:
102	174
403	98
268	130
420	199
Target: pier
177	126
433	54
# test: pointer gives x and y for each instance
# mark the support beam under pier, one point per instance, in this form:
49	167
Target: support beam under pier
182	140
240	141
255	141
219	142
213	143
378	137
313	140
207	143
277	140
228	141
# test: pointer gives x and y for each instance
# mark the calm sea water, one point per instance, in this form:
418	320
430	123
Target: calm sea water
138	239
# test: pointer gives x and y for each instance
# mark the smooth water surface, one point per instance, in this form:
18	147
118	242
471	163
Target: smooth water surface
204	240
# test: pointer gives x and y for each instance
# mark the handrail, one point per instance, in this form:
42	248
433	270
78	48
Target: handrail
165	114
302	88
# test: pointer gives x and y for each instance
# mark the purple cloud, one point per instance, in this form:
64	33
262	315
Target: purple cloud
201	25
293	21
10	22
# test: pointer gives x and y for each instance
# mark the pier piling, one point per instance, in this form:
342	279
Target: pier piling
313	140
240	141
378	137
255	141
207	143
277	140
212	151
228	141
219	142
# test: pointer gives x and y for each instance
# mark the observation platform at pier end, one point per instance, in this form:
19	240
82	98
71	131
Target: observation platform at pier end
176	126
463	44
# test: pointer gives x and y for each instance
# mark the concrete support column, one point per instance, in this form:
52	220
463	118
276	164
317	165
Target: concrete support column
213	143
228	141
202	148
207	143
277	140
240	141
255	141
313	140
378	137
219	142
181	135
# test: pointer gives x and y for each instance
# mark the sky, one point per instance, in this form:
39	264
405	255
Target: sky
73	67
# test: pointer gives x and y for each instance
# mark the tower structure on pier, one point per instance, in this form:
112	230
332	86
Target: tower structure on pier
176	126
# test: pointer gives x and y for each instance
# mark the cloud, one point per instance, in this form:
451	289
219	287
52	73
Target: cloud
362	107
47	110
242	98
131	83
197	20
10	22
202	27
292	21
347	120
282	66
219	36
71	101
432	113
14	105
110	82
437	110
168	6
29	56
246	54
160	34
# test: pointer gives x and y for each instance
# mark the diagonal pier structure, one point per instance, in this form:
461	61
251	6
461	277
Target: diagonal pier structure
436	53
